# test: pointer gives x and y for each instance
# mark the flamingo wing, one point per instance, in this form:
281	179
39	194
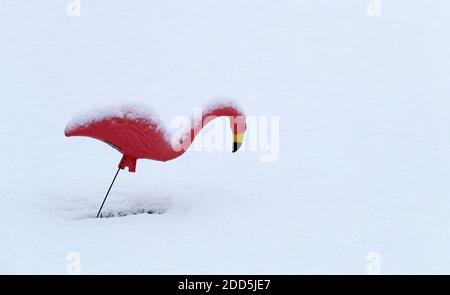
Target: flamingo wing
135	138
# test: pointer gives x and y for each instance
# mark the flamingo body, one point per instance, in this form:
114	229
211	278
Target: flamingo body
138	136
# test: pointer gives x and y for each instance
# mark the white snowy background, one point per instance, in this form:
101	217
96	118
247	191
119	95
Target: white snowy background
364	111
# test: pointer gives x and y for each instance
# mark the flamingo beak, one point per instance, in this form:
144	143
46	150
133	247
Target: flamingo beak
237	141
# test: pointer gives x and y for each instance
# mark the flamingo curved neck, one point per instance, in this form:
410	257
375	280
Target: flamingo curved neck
187	139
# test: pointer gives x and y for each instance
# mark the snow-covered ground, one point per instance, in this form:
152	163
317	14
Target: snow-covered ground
364	137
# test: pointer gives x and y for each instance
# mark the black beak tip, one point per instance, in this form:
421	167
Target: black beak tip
236	146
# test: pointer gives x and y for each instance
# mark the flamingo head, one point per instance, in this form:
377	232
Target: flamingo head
238	126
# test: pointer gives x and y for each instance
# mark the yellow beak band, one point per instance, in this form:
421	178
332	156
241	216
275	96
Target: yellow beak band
238	137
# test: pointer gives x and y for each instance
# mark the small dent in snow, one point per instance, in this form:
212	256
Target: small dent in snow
122	213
